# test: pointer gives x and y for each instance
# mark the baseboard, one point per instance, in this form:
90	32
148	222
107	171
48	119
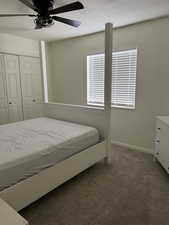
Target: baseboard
132	147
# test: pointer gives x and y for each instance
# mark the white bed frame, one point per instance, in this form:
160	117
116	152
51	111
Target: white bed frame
27	191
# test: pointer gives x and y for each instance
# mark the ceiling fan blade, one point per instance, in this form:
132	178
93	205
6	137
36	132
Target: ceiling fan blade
73	23
67	8
12	15
27	3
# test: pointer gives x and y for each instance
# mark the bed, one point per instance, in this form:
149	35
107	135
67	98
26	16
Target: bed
36	156
51	141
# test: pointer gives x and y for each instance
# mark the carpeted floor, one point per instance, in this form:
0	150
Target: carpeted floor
134	190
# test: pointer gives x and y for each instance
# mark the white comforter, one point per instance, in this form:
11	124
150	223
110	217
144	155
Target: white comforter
29	146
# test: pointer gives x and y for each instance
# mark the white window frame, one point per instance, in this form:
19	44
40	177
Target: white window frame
113	105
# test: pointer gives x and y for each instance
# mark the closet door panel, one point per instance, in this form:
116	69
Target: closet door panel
12	76
2	84
3	94
36	78
26	77
13	88
37	107
28	107
15	110
32	108
27	88
4	117
31	87
37	86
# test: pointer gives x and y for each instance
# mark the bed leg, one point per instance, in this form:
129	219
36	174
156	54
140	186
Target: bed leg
154	158
108	158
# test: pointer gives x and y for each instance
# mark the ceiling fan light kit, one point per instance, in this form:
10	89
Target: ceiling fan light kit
45	13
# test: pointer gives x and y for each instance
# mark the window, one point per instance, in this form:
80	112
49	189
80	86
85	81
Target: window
123	79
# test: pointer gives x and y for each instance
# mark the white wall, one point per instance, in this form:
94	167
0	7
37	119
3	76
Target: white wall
68	69
18	45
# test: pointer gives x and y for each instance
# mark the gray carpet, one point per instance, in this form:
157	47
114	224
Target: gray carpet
134	190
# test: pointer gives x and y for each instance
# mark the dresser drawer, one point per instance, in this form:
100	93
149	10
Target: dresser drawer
162	144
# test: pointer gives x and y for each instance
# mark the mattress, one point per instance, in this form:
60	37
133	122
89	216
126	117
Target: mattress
28	147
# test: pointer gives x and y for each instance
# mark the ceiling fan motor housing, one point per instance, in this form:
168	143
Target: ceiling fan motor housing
43	6
41	22
43	18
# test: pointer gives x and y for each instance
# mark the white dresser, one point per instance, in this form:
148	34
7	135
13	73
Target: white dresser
162	141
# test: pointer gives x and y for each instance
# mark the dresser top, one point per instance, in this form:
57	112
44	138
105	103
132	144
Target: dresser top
165	119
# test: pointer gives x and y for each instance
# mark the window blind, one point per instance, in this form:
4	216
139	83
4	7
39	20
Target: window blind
123	79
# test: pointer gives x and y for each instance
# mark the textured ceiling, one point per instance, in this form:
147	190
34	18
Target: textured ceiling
93	17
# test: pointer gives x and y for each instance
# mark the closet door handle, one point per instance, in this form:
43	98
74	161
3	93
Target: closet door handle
10	103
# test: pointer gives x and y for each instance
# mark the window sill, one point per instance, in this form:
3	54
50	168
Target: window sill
113	106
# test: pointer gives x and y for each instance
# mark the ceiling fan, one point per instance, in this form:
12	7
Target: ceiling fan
45	12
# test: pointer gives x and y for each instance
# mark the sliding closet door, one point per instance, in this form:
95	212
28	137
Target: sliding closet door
13	88
31	83
3	94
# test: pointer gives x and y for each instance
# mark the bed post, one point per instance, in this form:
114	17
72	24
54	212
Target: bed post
108	86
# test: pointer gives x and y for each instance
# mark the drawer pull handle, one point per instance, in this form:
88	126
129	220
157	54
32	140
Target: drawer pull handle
159	128
10	103
34	100
158	141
